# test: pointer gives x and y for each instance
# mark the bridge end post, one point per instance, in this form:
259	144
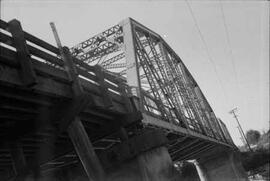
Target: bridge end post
133	73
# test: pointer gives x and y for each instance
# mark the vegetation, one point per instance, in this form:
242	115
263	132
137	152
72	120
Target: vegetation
253	136
258	159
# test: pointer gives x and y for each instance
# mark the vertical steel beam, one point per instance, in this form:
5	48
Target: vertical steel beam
133	75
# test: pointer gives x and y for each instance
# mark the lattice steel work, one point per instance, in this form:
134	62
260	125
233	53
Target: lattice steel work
165	86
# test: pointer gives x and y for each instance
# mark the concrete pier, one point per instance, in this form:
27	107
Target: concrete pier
153	165
143	157
222	166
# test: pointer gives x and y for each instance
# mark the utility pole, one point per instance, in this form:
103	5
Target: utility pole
239	127
241	135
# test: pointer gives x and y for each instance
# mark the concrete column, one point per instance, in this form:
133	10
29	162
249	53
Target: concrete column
156	165
224	166
142	157
152	165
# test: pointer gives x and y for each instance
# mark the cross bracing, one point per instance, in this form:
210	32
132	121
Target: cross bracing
53	102
164	85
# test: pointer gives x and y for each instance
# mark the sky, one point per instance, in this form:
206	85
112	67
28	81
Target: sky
232	69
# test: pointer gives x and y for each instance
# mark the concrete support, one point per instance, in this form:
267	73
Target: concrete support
142	157
153	165
223	166
156	165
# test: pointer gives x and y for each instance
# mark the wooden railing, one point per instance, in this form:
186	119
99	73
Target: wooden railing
21	49
46	61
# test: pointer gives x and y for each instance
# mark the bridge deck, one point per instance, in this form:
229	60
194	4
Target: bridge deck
34	112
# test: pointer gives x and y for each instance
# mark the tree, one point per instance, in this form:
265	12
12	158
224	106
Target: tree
253	136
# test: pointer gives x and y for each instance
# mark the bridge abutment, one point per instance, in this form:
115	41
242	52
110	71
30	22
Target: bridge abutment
223	166
152	165
143	157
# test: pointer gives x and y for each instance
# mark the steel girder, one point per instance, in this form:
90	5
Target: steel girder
168	89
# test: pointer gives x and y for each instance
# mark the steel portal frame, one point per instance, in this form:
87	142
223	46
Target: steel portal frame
165	86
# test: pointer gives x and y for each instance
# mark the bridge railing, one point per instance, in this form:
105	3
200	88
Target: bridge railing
94	79
46	60
217	130
39	50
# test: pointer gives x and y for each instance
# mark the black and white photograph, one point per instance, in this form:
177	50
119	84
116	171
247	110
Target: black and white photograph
134	90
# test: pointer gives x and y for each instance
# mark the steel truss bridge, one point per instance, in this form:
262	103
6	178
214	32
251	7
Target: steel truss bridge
114	85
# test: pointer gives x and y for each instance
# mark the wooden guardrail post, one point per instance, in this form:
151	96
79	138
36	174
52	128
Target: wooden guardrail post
123	91
104	90
27	72
76	130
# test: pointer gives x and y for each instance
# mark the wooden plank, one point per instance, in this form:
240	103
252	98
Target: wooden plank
94	78
28	75
46	86
10	96
95	118
126	99
41	43
9	57
72	71
195	154
103	88
85	151
72	109
83	64
76	130
50	71
186	146
45	56
113	78
3	24
33	50
90	68
18	159
86	74
6	39
94	91
48	150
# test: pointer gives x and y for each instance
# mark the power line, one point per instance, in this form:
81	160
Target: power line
240	128
207	49
229	43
